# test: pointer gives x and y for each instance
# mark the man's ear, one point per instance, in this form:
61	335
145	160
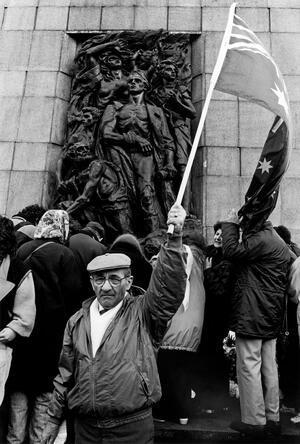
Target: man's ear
129	281
92	283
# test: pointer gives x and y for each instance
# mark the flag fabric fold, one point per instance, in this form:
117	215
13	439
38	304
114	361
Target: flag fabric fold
249	72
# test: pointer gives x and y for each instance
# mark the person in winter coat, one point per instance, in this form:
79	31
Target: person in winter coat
180	343
25	222
214	371
107	371
294	297
140	267
261	263
17	301
86	245
287	350
35	362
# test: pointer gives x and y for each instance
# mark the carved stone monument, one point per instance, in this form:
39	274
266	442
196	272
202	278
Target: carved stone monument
128	133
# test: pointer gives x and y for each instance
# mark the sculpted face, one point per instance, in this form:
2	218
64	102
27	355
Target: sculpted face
114	61
169	72
107	182
111	286
136	84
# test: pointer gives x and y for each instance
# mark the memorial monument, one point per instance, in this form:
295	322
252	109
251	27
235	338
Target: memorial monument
128	132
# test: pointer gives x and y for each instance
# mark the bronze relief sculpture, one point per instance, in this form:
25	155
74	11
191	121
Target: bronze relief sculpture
128	134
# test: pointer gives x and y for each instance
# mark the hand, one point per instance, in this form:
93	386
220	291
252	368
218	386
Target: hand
232	216
176	217
208	263
231	335
7	335
50	432
145	146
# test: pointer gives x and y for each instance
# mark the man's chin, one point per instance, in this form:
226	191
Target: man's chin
107	301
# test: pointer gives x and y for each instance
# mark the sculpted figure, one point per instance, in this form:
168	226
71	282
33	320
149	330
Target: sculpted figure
175	100
136	137
105	199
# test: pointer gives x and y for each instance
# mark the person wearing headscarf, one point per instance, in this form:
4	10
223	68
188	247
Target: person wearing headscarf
56	281
141	268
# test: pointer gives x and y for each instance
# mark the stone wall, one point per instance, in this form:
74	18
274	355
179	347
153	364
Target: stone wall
38	44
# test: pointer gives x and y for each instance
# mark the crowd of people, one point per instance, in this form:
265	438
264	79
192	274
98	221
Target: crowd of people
103	335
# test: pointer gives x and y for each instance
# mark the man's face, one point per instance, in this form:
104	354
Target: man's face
218	238
110	287
136	85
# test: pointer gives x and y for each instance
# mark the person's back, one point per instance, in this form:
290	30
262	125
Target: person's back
85	248
262	262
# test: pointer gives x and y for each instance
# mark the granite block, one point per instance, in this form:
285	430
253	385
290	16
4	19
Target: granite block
36	119
12	83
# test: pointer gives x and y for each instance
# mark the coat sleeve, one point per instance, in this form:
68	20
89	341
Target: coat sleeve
71	283
249	249
166	288
23	312
294	281
64	379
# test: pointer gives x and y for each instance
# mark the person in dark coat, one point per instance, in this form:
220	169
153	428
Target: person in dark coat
261	263
56	283
86	245
214	372
287	352
25	222
285	234
141	268
107	372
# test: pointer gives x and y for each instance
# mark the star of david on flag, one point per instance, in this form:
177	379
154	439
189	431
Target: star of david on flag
249	71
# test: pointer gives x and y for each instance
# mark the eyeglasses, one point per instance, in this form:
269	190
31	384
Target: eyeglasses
114	281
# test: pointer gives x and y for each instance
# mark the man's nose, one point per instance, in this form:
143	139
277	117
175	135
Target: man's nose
106	285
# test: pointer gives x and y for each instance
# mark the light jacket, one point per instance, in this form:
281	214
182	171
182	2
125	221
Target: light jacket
122	379
185	328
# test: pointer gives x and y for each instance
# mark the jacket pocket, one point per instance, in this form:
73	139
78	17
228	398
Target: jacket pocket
144	382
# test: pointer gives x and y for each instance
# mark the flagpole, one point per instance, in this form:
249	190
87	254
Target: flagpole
213	81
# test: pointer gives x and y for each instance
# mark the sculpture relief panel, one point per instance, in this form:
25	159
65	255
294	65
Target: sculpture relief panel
128	133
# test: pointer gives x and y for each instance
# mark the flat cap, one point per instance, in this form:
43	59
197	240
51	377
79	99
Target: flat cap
109	261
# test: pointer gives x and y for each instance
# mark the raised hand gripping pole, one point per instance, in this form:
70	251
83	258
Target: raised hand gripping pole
213	81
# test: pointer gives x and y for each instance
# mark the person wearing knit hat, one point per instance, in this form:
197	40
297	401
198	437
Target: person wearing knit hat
107	372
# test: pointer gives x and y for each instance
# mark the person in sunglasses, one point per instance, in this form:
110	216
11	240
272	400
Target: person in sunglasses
108	375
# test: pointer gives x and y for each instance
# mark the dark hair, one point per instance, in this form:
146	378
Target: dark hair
74	226
284	233
8	242
94	230
32	213
194	237
217	226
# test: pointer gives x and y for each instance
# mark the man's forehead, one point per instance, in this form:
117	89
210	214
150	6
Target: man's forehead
114	271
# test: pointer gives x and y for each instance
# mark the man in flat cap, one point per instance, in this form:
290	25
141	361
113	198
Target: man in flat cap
108	376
